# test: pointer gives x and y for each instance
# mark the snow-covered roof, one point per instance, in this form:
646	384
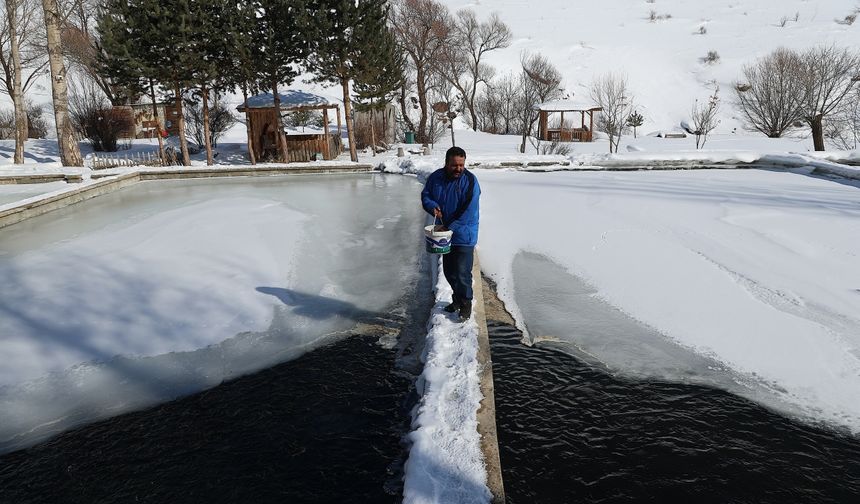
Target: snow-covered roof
567	105
290	98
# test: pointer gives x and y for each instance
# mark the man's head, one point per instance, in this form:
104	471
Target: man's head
455	162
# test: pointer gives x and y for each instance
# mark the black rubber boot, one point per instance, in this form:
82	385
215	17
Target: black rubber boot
454	306
465	310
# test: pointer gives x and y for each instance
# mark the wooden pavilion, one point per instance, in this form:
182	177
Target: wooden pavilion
263	125
560	131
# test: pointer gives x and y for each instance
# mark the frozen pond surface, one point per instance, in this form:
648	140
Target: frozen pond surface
743	279
10	193
166	288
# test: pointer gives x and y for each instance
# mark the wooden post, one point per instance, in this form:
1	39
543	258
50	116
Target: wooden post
561	128
327	147
544	119
591	124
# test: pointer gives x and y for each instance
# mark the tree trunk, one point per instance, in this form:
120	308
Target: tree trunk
21	129
471	104
70	154
207	140
422	102
817	132
372	132
158	123
528	126
350	126
251	154
180	123
282	138
404	111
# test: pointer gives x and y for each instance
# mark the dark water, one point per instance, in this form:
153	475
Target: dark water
326	427
571	433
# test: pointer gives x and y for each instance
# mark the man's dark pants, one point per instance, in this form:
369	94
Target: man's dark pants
457	265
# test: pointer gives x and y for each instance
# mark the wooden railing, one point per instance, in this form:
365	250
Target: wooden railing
312	147
102	161
569	135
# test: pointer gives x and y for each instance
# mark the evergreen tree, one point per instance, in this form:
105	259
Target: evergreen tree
155	39
379	76
635	120
212	29
121	60
239	70
279	45
346	33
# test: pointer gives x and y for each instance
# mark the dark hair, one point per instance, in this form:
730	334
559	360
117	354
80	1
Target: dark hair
454	152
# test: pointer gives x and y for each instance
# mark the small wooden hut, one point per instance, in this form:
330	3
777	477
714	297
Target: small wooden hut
144	124
553	127
263	121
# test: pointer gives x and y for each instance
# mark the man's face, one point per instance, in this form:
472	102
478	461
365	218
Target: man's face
455	166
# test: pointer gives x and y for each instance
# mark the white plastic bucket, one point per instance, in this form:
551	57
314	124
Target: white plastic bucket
437	241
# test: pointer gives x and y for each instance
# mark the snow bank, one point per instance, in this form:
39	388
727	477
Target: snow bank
445	462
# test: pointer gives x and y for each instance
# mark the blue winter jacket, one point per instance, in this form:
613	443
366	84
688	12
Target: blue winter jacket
448	195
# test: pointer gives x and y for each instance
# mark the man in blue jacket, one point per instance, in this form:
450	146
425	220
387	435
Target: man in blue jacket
451	194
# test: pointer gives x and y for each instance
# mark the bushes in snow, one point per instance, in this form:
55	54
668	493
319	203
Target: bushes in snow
94	118
221	119
704	117
712	58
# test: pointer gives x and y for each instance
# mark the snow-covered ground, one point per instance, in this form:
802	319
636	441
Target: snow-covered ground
445	461
751	271
169	287
663	58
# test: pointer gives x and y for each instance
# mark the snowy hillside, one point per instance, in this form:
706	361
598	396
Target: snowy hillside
663	58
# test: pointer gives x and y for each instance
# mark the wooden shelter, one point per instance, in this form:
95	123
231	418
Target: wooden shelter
263	121
555	129
144	124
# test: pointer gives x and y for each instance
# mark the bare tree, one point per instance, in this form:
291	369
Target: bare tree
828	75
704	117
540	82
20	56
422	29
438	92
70	154
843	129
461	60
770	95
611	93
82	47
498	109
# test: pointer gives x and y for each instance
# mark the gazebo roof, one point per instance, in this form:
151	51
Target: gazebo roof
290	99
567	106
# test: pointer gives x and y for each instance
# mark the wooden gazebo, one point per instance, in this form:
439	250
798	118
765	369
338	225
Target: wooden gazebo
263	127
560	131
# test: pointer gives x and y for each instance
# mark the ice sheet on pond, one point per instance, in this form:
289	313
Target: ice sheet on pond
750	273
170	287
10	193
